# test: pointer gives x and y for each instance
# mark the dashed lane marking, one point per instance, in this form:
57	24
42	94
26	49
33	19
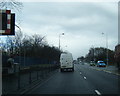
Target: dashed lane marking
107	71
85	78
98	93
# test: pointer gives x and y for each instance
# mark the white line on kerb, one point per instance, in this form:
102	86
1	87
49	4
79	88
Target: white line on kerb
98	93
84	77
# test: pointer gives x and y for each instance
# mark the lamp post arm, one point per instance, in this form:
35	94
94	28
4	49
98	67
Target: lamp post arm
59	41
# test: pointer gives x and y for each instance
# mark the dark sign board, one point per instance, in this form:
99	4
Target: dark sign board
7	22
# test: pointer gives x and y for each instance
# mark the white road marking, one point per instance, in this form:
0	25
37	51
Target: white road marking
108	71
84	77
80	73
98	93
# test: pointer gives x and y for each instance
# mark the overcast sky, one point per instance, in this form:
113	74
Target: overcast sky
81	22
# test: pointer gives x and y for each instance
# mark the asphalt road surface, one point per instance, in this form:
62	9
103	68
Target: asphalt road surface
84	80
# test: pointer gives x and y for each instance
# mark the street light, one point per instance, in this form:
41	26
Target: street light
19	59
93	53
106	47
59	39
19	44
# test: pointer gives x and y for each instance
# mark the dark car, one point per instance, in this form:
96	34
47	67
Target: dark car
92	63
101	64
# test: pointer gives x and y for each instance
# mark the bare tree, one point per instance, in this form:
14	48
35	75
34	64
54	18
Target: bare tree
38	40
18	41
11	4
10	45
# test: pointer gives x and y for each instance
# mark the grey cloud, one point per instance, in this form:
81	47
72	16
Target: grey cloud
84	19
61	13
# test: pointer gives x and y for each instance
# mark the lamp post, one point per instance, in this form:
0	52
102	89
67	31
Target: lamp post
93	53
106	48
19	60
19	44
59	39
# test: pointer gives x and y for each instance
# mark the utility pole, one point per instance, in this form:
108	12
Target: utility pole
19	59
59	39
106	48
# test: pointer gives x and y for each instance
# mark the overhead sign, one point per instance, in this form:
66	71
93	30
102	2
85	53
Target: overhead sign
7	22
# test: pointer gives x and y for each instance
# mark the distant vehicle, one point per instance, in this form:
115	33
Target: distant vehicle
117	55
66	62
101	64
74	61
92	63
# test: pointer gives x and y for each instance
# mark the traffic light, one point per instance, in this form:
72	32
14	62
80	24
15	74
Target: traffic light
7	22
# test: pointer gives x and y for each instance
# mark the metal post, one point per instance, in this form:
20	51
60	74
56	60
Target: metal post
24	55
93	53
107	48
0	69
19	78
30	76
19	60
20	42
59	39
0	57
37	74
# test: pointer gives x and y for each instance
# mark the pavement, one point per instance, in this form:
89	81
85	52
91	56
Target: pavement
110	69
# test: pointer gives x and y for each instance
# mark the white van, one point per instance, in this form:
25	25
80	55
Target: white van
66	62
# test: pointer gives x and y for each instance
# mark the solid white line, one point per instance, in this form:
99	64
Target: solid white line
84	77
98	93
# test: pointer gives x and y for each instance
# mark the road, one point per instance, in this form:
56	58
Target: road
84	80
